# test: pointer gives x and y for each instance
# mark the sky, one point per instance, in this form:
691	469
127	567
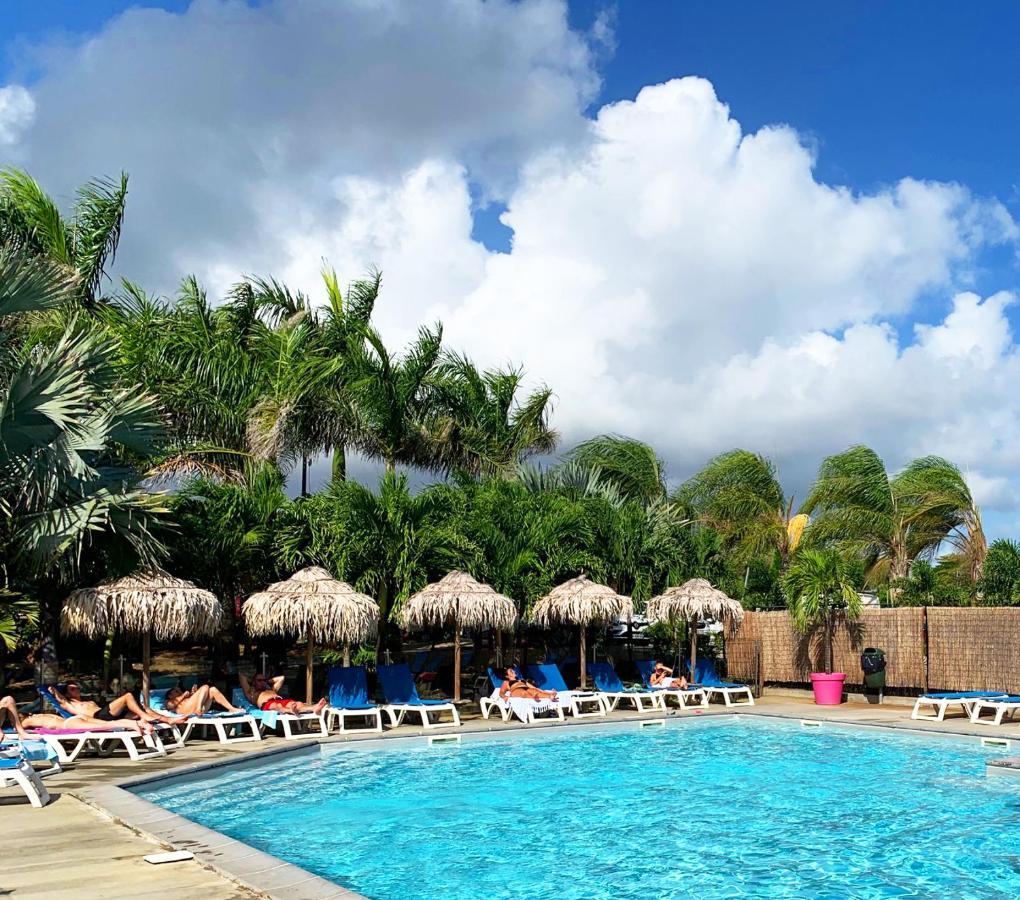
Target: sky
789	227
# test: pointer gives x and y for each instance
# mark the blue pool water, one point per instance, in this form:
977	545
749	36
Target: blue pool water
702	809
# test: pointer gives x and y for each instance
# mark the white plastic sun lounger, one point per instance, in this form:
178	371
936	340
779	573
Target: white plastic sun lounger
73	741
291	723
692	695
15	771
402	698
1000	707
942	702
608	682
524	708
230	728
580	704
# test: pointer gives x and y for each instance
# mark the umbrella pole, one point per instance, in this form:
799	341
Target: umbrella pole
456	659
582	654
145	670
694	647
347	655
499	648
308	667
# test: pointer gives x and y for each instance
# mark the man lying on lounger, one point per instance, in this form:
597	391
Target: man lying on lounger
515	686
123	707
197	701
55	722
264	693
662	677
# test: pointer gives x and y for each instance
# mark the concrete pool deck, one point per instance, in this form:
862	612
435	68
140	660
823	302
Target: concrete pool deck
80	845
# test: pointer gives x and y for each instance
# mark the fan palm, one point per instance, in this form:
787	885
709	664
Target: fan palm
69	433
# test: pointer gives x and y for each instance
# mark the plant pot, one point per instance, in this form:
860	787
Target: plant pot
828	688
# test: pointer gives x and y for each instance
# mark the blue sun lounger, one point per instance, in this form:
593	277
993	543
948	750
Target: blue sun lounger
402	698
608	682
941	702
347	692
271	718
692	695
548	677
1001	707
708	680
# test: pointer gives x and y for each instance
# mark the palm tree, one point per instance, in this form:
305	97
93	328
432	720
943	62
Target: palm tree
738	494
396	403
70	498
389	544
889	522
85	243
629	465
493	429
820	592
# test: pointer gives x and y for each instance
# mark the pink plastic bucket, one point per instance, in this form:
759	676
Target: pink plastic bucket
828	688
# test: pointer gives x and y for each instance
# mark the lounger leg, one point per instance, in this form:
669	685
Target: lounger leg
32	785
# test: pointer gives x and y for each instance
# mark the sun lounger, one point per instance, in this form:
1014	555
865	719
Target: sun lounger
138	746
230	728
582	704
16	771
347	690
608	682
35	749
709	681
170	737
1001	707
942	702
692	695
524	708
402	698
290	723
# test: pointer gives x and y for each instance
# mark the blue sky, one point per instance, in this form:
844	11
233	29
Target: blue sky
744	301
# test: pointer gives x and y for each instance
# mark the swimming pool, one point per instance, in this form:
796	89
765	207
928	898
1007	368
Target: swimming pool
712	808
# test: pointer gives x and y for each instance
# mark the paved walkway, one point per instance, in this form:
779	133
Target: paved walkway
70	850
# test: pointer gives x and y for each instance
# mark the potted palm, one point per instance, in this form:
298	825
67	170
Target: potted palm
820	594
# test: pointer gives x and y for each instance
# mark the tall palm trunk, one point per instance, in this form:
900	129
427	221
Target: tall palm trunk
899	565
339	464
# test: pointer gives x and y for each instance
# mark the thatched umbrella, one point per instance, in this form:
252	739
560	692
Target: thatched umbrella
147	603
458	600
313	603
691	601
581	602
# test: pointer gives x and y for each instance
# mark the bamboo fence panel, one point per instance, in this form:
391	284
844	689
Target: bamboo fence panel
785	656
974	649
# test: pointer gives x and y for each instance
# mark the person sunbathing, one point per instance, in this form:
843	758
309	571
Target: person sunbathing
123	707
9	710
515	686
264	693
662	677
197	701
56	722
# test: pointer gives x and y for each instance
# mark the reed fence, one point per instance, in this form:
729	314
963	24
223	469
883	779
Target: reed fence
933	648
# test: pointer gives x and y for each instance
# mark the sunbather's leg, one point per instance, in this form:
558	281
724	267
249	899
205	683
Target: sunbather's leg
125	705
215	695
9	710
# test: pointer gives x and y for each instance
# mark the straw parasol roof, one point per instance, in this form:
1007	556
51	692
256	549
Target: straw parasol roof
694	599
459	598
583	602
151	602
313	601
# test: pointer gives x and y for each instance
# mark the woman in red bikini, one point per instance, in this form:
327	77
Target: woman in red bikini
263	692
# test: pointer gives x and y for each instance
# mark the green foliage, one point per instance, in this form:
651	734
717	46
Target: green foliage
1000	584
820	591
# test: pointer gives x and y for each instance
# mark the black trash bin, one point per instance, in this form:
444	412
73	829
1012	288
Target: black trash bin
873	665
